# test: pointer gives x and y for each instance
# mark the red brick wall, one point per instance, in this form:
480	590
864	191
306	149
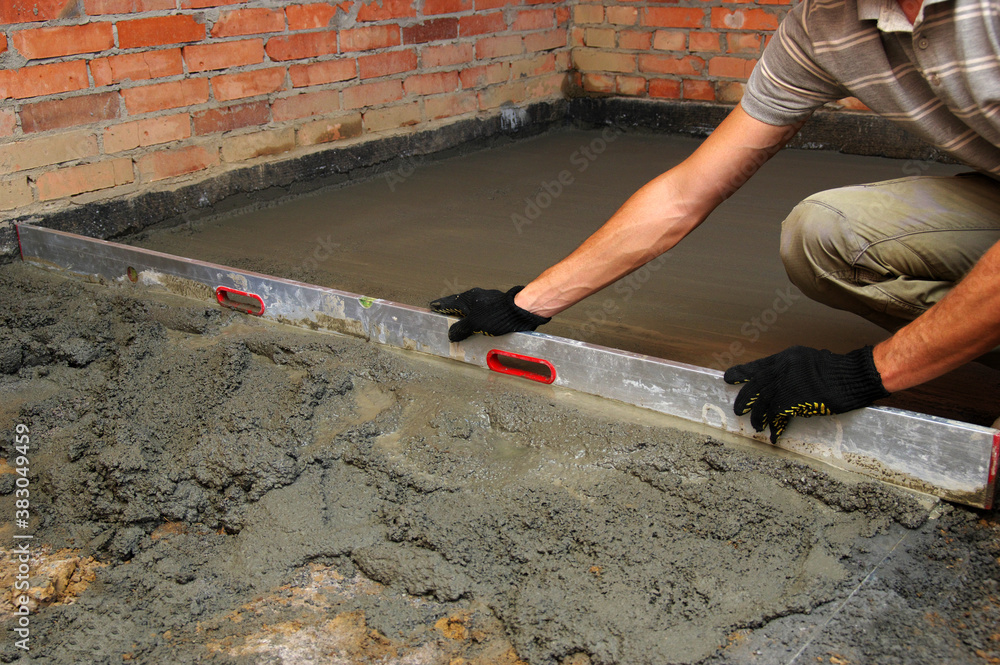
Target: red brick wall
102	98
108	96
691	49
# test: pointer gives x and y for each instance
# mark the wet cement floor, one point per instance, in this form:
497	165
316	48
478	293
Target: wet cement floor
498	217
207	487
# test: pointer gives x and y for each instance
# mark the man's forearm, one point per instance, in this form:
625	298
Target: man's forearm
960	327
652	221
659	215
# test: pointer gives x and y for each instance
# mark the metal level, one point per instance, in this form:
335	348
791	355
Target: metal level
949	459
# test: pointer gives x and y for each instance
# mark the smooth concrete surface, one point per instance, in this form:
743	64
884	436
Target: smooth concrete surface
498	217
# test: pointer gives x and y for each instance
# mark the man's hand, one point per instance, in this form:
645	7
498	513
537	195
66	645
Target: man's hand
488	312
804	382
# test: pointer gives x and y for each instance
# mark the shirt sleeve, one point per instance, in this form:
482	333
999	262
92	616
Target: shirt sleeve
788	85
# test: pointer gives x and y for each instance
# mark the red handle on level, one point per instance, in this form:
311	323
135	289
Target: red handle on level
494	363
241	301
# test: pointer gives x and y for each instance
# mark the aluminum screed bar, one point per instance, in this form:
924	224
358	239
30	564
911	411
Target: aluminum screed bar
946	458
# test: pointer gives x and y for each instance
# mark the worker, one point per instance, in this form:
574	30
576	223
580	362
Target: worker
918	255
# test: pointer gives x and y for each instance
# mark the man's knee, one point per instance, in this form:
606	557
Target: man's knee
816	242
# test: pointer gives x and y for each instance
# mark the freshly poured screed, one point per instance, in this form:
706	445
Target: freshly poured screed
257	492
499	217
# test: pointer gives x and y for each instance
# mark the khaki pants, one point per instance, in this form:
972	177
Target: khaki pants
889	250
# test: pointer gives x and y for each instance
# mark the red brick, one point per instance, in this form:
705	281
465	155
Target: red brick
329	129
372	94
369	38
27	11
598	83
446	6
673	17
743	42
499	47
392	117
536	66
431	31
728	67
601	38
159	30
545	41
172	95
70	112
743	19
698	89
384	64
146	132
730	92
202	4
481	24
513	92
228	118
670	40
253	21
594	60
431	84
667	88
222	55
242	147
41	80
8	122
302	46
99	7
534	19
635	40
482	5
248	84
320	73
703	41
588	13
137	66
63	183
47	150
661	64
446	54
39	43
310	17
622	15
562	15
15	192
305	105
386	10
449	106
171	163
475	77
3	42
633	86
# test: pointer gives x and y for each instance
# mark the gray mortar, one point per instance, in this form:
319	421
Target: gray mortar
578	530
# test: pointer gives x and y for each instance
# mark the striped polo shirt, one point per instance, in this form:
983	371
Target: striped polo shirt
939	79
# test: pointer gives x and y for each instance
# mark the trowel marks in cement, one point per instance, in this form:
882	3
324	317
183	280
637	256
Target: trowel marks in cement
255	494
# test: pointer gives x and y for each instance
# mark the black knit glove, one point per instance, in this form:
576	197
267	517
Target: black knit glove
804	382
488	312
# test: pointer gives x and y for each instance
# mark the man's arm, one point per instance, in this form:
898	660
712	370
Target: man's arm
960	327
659	215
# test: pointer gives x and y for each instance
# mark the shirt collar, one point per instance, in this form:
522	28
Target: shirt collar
888	14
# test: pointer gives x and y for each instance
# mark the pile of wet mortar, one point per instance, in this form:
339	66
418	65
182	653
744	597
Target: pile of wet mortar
229	490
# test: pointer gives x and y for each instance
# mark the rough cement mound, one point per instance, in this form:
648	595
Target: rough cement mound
206	487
